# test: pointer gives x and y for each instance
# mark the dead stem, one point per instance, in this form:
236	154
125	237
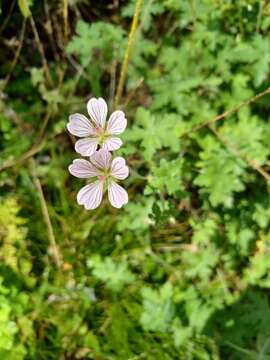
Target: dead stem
41	51
49	29
17	55
46	216
112	81
7	17
133	92
65	16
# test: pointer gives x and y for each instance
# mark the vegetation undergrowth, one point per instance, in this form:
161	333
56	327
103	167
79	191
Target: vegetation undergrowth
181	272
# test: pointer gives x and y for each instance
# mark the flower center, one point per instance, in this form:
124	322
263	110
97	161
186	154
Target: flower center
102	178
99	131
105	175
101	134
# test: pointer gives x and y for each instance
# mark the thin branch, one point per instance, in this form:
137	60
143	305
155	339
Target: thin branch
7	17
49	29
41	51
28	154
17	55
252	163
65	16
112	81
132	93
36	147
227	113
47	220
43	128
124	67
80	70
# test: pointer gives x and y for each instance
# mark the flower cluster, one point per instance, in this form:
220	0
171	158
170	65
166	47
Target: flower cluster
98	138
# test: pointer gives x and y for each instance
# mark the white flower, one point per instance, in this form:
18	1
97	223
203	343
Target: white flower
97	131
107	172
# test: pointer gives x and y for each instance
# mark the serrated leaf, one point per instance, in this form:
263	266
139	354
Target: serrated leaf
158	308
167	176
219	173
154	132
115	275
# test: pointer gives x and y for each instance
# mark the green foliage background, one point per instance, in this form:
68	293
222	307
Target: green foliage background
183	271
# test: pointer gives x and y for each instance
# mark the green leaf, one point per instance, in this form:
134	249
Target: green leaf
247	136
158	309
100	35
219	173
136	215
262	214
154	132
115	274
167	176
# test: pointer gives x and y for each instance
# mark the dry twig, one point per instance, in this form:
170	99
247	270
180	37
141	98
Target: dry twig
54	248
41	51
17	55
65	16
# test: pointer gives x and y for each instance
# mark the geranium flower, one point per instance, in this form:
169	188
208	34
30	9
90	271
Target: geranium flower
97	132
107	172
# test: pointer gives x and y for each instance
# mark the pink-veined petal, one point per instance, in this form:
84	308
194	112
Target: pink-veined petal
117	195
86	147
83	169
119	168
91	195
101	159
97	109
112	143
80	126
117	123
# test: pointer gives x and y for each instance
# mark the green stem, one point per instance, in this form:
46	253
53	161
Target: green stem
124	67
